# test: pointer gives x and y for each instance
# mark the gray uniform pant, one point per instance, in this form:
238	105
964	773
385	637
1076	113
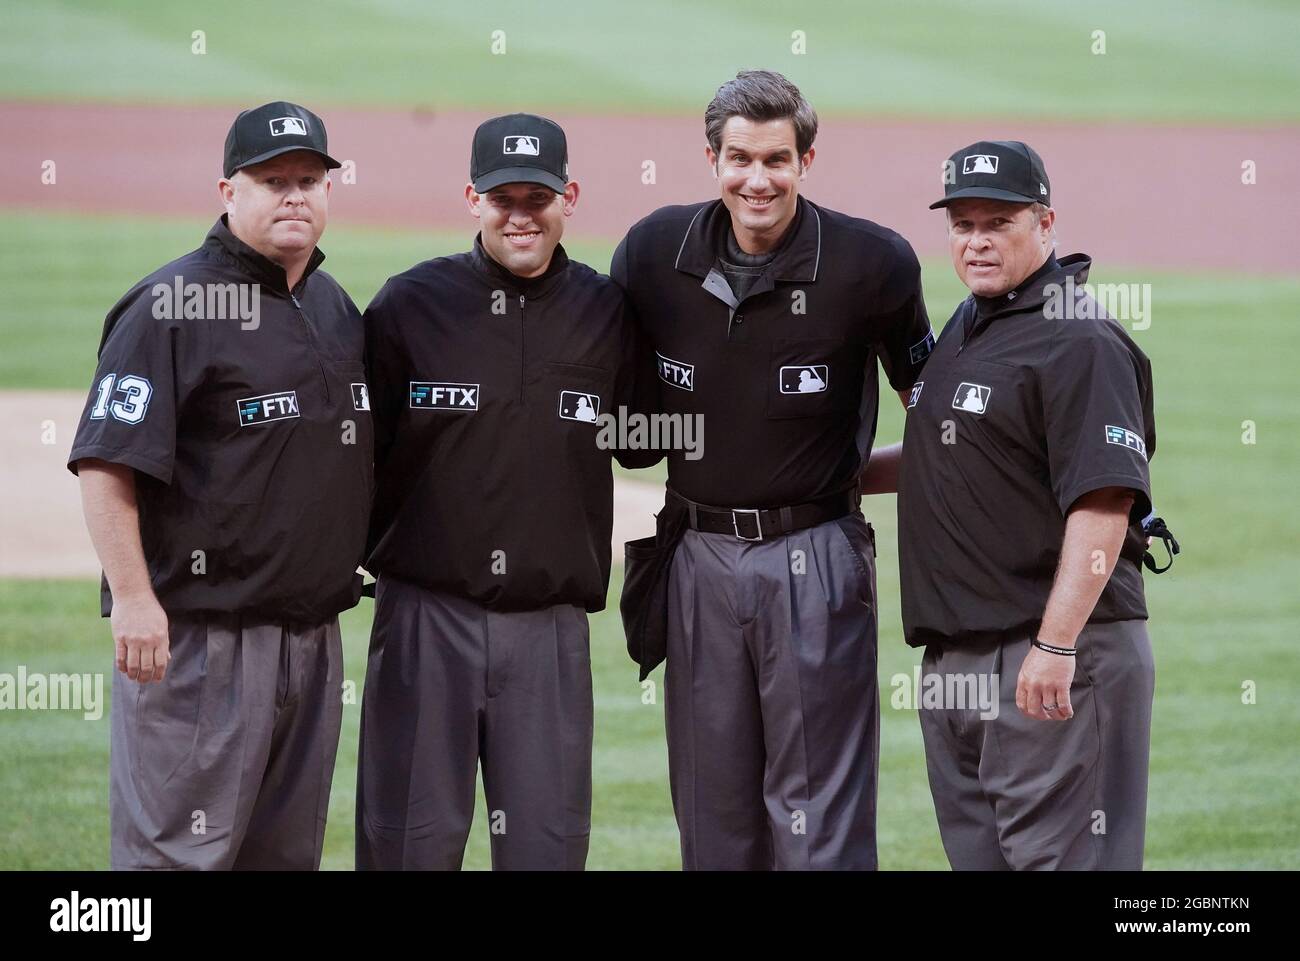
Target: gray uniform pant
227	763
449	683
1014	793
772	713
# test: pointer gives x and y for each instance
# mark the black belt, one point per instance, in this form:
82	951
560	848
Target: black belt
752	524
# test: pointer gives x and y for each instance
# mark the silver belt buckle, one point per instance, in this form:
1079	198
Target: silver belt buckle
758	525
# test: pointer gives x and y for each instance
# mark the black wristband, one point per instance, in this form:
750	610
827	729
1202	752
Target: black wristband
1052	649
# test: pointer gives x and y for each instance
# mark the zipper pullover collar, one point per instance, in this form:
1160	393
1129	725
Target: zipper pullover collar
533	288
1031	295
261	268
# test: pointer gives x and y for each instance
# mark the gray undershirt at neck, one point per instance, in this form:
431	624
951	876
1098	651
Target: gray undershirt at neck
742	269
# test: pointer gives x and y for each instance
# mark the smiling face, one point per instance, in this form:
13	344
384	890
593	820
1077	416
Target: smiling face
279	207
996	244
521	223
758	168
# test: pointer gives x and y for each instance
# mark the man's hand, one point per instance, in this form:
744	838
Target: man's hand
1094	535
140	636
138	621
1044	681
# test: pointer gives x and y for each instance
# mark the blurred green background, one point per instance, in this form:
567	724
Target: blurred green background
1164	59
1224	349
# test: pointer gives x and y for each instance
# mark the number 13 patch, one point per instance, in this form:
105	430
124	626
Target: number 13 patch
130	407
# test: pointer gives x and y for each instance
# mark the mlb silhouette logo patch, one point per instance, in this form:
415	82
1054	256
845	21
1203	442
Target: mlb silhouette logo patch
979	163
810	379
283	125
360	397
529	146
1126	438
972	397
575	405
431	395
915	395
264	408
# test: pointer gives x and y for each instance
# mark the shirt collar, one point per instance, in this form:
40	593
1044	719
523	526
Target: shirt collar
1033	291
262	268
532	287
796	262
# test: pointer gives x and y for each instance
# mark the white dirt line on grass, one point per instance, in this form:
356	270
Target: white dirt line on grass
41	529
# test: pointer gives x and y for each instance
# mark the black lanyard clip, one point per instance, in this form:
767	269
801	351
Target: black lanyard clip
1156	527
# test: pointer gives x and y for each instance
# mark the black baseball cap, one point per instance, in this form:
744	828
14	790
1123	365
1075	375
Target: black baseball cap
997	170
272	129
519	148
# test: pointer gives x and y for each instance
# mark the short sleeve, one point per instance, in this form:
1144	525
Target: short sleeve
139	385
387	370
906	339
618	263
637	388
1097	413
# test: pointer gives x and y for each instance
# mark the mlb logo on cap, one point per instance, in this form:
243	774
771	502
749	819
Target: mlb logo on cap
255	135
520	148
283	125
980	163
1007	170
531	146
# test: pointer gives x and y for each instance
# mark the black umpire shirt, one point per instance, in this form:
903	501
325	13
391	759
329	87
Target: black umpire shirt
1029	401
249	432
785	378
490	391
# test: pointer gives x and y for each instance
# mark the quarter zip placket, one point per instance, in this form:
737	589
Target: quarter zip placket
311	343
975	328
523	333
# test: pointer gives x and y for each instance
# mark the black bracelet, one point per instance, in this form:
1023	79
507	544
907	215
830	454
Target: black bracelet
1052	649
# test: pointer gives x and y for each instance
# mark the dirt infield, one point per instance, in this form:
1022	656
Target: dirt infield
41	533
1128	194
41	530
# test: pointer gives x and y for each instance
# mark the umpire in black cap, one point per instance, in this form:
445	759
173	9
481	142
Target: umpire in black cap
225	463
1022	494
492	371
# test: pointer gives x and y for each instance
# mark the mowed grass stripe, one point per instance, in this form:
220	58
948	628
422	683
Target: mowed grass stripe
1165	59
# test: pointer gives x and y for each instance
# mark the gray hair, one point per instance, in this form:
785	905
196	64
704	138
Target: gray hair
760	95
1039	210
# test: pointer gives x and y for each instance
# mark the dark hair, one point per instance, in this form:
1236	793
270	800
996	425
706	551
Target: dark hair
760	95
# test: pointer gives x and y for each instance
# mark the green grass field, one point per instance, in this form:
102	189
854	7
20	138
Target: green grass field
1223	777
1164	59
